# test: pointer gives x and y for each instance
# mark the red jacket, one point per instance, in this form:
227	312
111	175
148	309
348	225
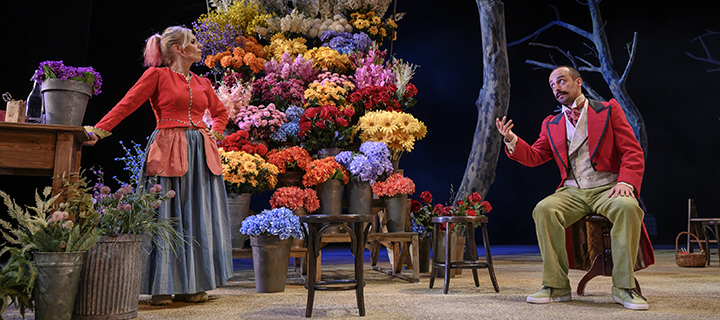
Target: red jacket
613	147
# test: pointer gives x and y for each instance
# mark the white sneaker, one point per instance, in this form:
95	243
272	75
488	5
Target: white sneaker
548	294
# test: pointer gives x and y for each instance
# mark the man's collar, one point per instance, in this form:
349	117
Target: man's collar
580	102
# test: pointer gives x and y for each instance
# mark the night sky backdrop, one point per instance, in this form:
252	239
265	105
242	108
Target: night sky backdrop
675	94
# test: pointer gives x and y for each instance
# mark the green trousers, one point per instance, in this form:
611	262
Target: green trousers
568	205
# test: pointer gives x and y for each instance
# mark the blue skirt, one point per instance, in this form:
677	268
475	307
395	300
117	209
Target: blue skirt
204	260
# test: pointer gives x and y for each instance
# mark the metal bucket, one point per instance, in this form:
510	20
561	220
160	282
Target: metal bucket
359	197
270	262
65	101
396	212
110	282
330	194
239	209
56	284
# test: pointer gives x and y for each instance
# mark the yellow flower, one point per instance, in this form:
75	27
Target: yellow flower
373	30
376	20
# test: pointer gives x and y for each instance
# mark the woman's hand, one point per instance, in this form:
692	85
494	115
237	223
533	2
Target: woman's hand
93	140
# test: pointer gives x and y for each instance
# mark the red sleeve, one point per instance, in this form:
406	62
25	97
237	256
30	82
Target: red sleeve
218	112
537	154
632	162
138	94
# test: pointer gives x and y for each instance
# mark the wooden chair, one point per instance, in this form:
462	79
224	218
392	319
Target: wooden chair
402	247
706	229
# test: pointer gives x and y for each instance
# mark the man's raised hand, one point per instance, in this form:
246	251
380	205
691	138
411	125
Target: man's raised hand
505	126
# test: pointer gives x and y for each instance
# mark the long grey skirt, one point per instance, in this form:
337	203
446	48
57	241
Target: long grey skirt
204	260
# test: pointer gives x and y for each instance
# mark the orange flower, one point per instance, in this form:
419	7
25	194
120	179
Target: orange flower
321	170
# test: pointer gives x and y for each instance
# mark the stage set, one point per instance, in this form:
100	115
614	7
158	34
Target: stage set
371	120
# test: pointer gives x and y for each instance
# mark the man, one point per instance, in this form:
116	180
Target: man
601	165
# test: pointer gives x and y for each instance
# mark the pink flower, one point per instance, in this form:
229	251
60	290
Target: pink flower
170	194
68	224
105	190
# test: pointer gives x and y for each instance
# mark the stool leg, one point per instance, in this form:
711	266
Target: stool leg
448	248
312	269
470	245
488	258
434	252
359	282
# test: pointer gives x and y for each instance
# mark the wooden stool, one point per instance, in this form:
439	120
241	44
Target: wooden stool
317	224
603	263
473	264
711	228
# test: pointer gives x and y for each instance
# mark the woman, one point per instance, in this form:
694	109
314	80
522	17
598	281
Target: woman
183	153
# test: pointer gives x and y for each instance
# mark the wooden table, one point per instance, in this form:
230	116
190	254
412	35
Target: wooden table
40	150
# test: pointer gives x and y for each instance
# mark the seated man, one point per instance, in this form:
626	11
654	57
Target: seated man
601	166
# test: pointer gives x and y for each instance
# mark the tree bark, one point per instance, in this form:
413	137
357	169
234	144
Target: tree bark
492	102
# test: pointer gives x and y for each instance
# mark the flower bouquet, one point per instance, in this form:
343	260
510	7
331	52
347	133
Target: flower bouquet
326	127
394	185
57	70
279	222
345	42
295	198
373	25
394	191
329	89
260	121
235	95
471	206
369	164
322	170
285	82
238	141
247	59
247	173
398	130
328	59
422	212
291	159
288	131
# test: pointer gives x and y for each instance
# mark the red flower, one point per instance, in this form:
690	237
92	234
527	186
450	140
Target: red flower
342	122
475	197
325	114
311	112
426	197
348	112
487	206
415	206
459	203
470	212
410	90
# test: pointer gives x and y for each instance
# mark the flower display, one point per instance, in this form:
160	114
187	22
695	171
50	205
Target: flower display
321	170
369	164
345	42
326	127
371	68
294	198
471	206
328	59
373	25
57	70
294	24
285	82
259	121
280	45
398	130
290	130
217	29
235	95
247	173
279	222
395	184
291	159
329	89
248	59
238	141
422	212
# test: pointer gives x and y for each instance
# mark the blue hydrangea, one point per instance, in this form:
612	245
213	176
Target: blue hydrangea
294	113
287	131
279	222
372	162
345	42
419	228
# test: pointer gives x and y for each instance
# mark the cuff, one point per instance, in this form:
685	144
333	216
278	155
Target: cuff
511	145
627	184
100	133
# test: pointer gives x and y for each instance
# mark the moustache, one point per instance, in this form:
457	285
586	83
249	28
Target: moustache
557	95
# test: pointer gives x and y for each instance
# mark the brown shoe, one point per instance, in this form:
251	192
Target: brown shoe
199	297
161	300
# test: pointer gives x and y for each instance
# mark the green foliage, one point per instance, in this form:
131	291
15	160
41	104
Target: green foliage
17	280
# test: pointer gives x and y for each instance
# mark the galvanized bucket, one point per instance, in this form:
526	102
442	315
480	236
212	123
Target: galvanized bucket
56	284
239	209
396	212
330	194
65	101
360	197
270	262
110	283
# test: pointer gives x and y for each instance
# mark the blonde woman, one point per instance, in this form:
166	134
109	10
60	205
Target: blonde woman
183	153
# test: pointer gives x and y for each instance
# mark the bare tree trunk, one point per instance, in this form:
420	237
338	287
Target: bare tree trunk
492	102
614	81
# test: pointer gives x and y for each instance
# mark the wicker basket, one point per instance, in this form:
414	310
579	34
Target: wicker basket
689	259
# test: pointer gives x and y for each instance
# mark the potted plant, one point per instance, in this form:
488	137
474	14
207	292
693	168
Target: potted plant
395	190
270	237
58	235
365	167
326	127
66	91
245	174
398	130
422	212
291	163
329	179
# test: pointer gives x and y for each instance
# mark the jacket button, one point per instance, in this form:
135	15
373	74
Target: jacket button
594	163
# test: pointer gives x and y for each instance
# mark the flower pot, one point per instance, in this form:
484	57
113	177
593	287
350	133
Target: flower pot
239	209
56	283
270	262
110	280
439	256
359	197
290	179
330	194
65	101
396	211
425	257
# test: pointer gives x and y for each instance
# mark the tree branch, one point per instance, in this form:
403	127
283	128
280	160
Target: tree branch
632	48
541	64
708	57
565	25
590	67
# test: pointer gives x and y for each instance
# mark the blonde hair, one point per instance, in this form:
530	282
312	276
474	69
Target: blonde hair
158	48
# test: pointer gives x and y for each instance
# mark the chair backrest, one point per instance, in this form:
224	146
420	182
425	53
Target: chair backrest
692	227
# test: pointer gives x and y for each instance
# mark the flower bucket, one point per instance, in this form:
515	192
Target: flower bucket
239	209
270	262
439	256
65	101
290	179
56	283
396	212
330	194
299	243
425	246
359	197
110	281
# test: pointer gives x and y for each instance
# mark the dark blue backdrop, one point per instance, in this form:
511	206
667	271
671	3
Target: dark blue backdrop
674	93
